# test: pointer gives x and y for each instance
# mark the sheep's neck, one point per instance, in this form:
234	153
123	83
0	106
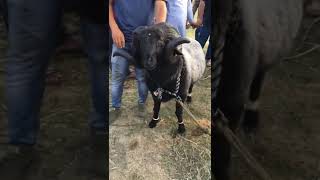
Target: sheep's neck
166	74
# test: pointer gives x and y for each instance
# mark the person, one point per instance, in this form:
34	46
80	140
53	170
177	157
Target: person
33	28
203	25
124	17
179	13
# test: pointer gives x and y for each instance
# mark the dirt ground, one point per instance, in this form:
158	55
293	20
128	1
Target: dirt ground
288	142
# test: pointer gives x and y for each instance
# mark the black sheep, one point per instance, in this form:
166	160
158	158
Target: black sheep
172	63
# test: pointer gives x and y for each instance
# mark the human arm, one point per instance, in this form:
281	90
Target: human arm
189	12
117	35
195	6
200	14
160	11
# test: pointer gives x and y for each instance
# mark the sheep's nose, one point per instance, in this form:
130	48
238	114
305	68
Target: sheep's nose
150	63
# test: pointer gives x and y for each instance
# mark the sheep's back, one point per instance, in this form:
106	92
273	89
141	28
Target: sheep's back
194	59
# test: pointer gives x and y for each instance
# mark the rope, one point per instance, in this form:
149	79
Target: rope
242	150
234	141
194	118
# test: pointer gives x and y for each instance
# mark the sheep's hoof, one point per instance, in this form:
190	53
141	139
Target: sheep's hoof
181	129
153	123
189	99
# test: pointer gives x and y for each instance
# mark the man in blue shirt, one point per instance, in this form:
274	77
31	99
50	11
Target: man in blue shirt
124	17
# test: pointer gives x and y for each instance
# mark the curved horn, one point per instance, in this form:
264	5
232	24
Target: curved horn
171	46
123	53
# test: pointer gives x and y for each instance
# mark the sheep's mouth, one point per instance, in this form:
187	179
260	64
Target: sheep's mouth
150	64
150	68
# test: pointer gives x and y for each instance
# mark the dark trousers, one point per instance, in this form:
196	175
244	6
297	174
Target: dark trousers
202	34
33	29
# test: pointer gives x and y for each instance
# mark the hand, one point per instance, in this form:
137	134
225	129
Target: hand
196	24
118	37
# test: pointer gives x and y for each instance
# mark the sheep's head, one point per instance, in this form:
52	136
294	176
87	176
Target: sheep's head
154	45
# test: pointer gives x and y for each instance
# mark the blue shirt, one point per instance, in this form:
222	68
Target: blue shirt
130	14
179	11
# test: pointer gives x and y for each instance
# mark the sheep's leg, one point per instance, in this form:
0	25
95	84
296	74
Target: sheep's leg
189	96
251	118
179	113
155	118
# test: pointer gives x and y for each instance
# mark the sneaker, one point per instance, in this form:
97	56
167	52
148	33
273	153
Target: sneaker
16	161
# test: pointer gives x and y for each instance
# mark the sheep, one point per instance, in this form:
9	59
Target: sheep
173	64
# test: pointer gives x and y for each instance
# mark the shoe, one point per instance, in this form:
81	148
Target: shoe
16	161
114	114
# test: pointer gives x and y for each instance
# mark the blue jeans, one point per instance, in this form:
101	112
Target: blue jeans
120	69
33	29
202	34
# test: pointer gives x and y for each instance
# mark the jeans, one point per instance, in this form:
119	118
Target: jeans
33	29
201	35
120	69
